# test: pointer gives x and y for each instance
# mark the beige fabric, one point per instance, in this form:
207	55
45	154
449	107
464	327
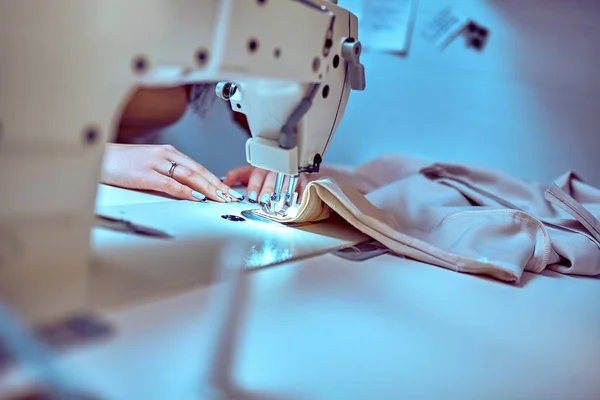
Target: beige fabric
466	219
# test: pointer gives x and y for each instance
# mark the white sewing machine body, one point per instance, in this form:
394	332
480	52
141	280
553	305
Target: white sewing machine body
68	67
268	105
292	123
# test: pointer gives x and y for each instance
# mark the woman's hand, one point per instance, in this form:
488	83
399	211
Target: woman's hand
147	167
261	183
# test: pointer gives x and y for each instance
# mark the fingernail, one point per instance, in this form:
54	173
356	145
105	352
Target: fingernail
223	178
236	194
223	196
264	199
199	196
252	197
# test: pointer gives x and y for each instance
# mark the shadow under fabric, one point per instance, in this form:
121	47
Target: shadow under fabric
466	219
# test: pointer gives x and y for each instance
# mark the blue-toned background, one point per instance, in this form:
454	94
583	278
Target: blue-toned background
529	104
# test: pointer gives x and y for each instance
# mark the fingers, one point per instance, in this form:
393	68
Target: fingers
196	176
262	184
199	181
200	184
219	187
255	184
170	186
239	175
268	187
201	170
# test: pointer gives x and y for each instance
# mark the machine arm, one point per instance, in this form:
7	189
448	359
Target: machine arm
292	122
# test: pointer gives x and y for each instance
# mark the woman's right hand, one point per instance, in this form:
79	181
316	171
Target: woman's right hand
146	167
261	183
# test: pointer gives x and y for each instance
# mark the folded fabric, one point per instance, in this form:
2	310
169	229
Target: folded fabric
466	219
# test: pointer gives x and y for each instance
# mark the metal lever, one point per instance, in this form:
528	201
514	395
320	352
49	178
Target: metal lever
290	195
276	195
351	50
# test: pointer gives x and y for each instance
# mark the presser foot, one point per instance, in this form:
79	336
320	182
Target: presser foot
280	202
275	209
279	206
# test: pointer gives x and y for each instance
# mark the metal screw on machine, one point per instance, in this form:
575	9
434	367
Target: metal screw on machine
225	90
351	50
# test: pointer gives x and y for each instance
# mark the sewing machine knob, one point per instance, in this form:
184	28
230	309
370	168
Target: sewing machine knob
351	50
224	90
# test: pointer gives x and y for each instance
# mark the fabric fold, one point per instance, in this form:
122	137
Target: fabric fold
463	218
325	195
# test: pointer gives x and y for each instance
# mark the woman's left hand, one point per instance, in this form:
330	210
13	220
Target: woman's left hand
261	183
164	169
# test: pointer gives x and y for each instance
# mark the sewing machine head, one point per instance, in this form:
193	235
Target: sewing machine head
292	123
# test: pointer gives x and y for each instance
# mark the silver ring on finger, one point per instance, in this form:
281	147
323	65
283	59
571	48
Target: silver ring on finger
172	169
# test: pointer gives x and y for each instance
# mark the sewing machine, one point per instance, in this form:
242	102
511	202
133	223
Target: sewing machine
293	123
68	67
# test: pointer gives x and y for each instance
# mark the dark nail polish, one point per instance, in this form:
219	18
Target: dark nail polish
264	199
252	197
199	196
237	195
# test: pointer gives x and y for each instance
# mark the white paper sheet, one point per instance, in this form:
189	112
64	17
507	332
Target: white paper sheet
387	25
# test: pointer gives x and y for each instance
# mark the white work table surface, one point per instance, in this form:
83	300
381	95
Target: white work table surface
132	268
387	328
113	196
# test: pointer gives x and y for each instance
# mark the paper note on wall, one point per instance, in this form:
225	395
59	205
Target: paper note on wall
387	25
